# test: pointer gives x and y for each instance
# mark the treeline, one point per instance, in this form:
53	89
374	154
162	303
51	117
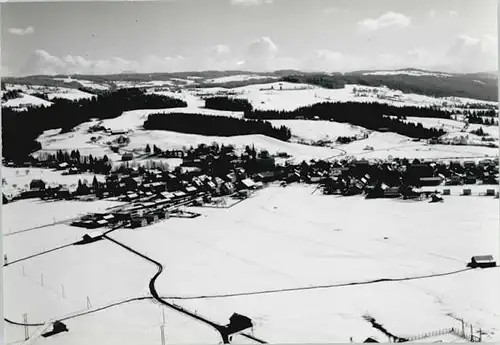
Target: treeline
487	121
226	103
372	116
12	94
214	125
323	80
456	85
99	165
20	129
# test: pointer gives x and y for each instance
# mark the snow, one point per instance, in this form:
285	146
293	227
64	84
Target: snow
70	94
26	100
102	271
239	77
22	179
85	83
320	130
137	322
322	240
409	73
432	122
216	254
14	215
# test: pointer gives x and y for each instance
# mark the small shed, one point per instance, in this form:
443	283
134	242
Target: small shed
238	323
482	261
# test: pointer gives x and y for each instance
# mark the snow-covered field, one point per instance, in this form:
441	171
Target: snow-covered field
29	213
266	243
320	130
24	101
410	73
70	94
18	179
239	77
137	322
85	83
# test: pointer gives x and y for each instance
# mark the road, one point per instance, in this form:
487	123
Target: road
152	289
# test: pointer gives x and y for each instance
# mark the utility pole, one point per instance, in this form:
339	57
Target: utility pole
26	332
162	327
89	306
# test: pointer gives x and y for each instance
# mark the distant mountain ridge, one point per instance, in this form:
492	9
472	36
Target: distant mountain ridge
479	85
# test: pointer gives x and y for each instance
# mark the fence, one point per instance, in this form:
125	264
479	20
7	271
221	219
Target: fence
430	334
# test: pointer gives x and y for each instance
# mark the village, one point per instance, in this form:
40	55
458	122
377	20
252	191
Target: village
218	176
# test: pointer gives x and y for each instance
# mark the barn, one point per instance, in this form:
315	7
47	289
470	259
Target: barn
482	261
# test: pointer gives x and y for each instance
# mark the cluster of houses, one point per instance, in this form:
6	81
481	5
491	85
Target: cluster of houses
209	171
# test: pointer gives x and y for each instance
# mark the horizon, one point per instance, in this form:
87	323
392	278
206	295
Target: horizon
109	38
248	72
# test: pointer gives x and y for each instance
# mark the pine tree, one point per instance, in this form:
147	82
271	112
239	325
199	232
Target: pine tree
95	184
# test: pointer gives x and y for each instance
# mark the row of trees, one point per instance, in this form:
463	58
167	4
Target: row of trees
99	165
20	129
487	121
214	125
226	103
369	115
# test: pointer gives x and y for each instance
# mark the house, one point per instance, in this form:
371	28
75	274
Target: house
227	188
190	190
371	340
430	181
238	323
152	217
454	180
470	179
265	163
231	177
127	156
62	166
482	261
469	164
248	183
391	192
138	222
37	184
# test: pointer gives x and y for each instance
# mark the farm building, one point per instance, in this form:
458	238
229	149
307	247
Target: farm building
37	184
127	156
482	261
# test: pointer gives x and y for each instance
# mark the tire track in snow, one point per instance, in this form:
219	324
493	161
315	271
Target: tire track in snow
317	287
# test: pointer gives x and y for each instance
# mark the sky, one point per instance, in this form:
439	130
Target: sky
254	35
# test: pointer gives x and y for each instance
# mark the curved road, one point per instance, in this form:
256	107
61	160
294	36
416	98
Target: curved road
221	329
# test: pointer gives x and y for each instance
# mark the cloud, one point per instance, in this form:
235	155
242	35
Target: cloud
453	13
472	54
389	19
432	13
250	2
22	32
